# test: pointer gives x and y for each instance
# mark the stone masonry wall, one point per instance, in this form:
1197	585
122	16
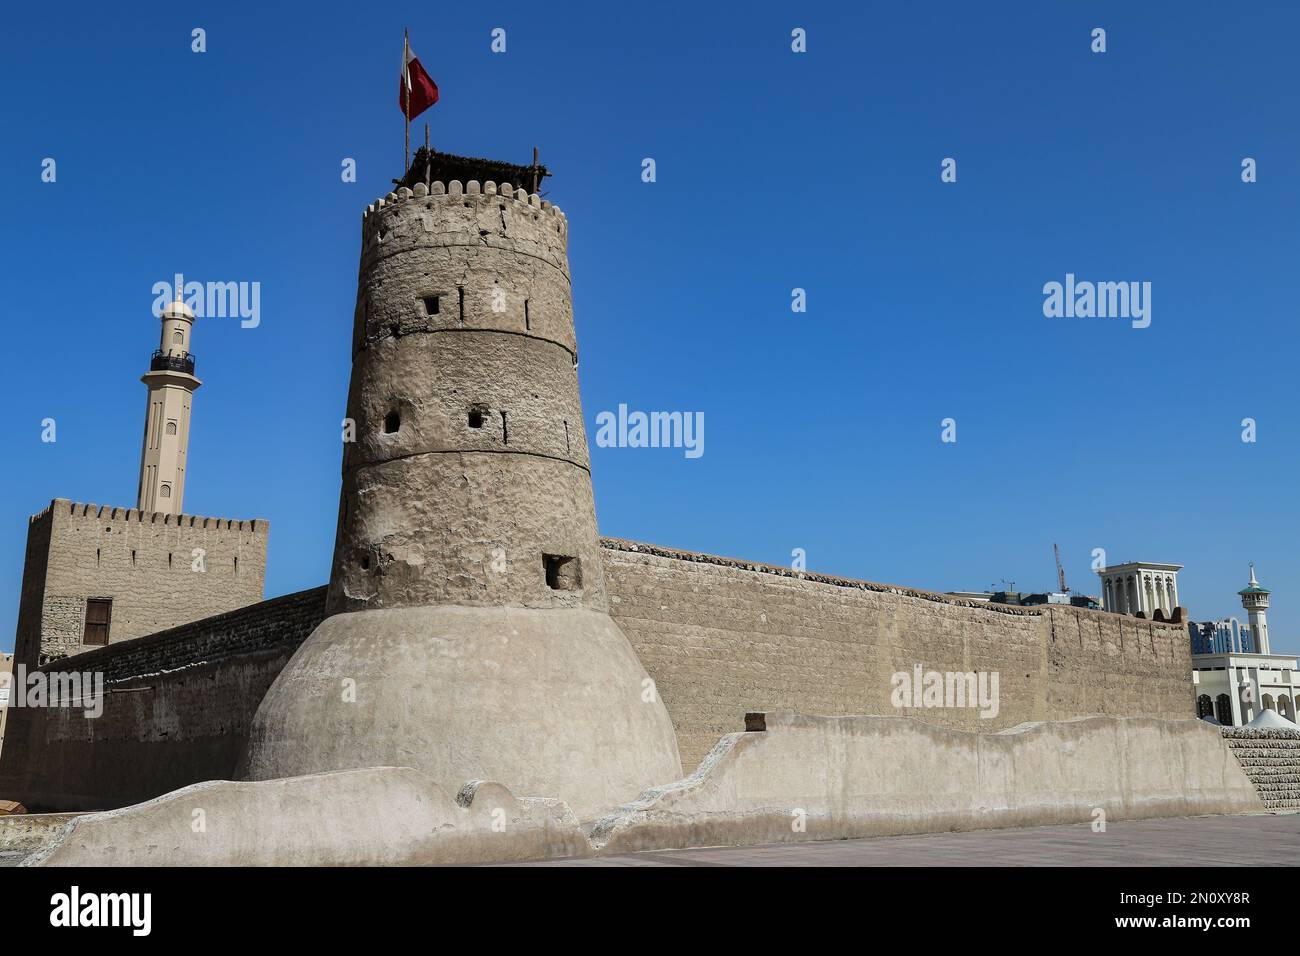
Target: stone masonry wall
723	637
177	709
160	570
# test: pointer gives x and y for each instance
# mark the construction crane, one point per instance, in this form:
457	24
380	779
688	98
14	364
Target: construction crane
1060	571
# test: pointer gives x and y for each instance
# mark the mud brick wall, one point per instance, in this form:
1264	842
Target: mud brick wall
1113	664
723	637
177	709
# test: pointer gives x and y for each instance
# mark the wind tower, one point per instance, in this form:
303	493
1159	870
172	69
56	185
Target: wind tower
470	634
166	442
1255	600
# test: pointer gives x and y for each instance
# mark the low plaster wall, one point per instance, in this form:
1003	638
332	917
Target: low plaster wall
830	778
384	816
803	778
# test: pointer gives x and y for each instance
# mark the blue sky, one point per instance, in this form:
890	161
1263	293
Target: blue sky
775	170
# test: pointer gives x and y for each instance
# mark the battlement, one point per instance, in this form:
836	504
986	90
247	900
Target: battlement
111	514
640	547
455	190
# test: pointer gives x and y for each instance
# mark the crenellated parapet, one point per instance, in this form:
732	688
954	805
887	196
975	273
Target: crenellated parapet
489	258
127	515
456	189
473	214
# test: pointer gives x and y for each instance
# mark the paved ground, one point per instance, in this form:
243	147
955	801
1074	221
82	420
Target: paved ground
1261	840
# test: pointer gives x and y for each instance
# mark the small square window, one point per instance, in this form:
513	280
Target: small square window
562	572
431	304
475	418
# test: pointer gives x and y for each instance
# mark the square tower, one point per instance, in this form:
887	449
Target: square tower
1140	588
96	575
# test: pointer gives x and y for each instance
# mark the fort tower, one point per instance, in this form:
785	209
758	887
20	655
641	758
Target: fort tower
467	589
166	442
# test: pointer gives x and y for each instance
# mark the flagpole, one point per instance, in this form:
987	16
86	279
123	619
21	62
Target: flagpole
406	99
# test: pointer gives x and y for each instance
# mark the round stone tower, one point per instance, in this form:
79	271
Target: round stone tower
469	480
470	634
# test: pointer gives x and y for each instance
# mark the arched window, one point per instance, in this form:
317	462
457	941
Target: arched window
178	338
1223	710
1284	707
1204	706
166	491
171	428
1268	702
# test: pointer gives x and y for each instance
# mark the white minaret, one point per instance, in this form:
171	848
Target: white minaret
1255	600
171	384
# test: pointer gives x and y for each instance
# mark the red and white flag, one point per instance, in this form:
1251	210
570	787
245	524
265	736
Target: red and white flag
418	91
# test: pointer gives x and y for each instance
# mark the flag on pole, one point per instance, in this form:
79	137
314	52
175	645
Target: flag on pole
418	91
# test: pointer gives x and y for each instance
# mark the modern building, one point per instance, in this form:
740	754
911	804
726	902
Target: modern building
1038	599
1026	599
1140	588
1235	686
1228	636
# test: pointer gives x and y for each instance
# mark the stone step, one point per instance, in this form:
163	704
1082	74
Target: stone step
1274	783
1272	765
1270	771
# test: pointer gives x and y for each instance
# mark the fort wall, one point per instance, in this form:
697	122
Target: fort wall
177	708
723	637
720	637
159	570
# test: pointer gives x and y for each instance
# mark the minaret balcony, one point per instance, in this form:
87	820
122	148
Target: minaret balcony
172	362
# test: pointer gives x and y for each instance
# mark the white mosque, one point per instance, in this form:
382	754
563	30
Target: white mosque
1236	686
